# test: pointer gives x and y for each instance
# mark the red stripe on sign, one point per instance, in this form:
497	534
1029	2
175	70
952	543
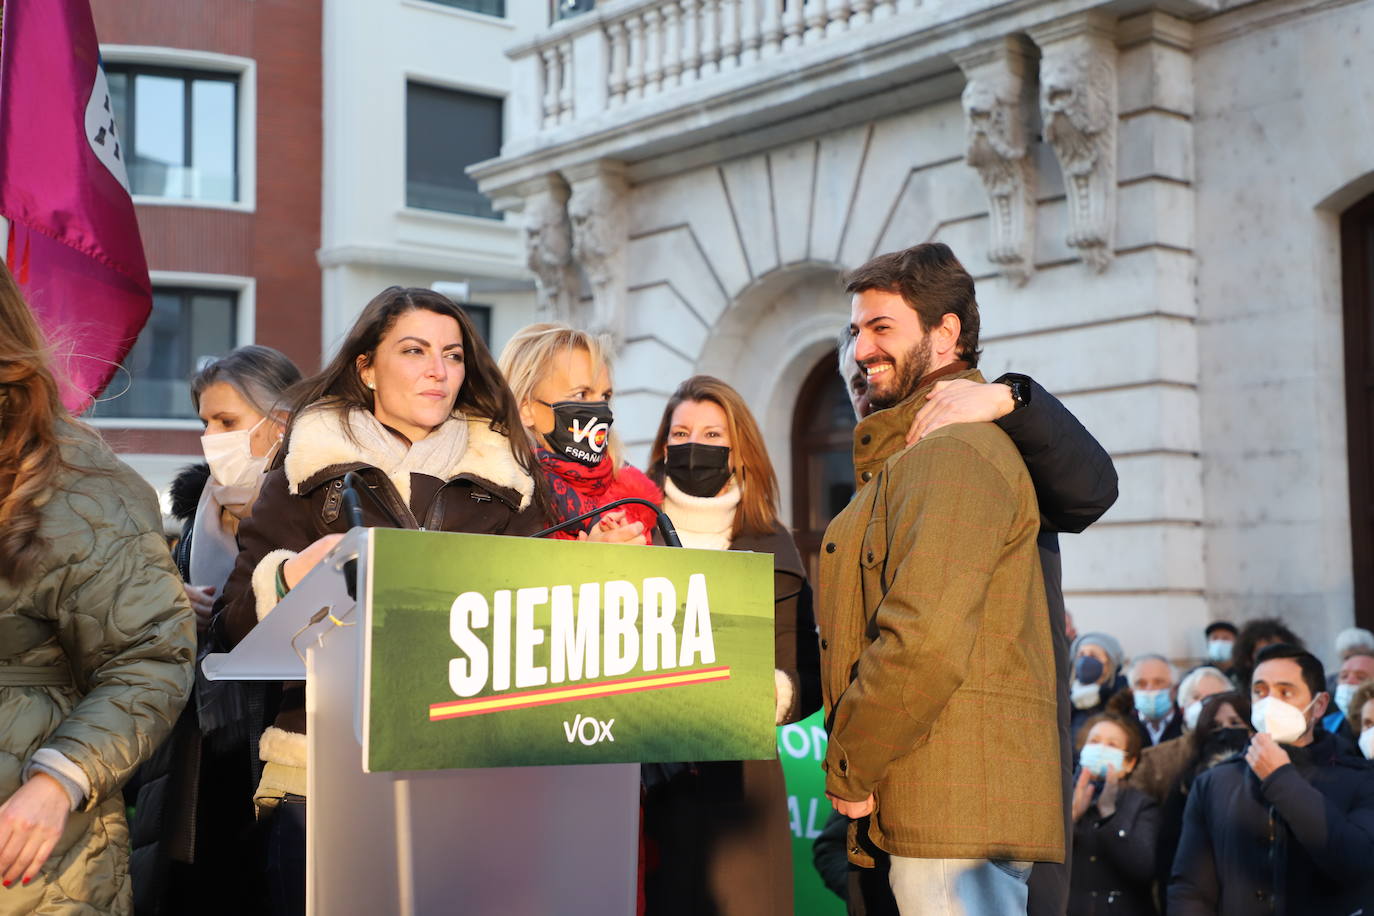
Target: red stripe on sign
478	706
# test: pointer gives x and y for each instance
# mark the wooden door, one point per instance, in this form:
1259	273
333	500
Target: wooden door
1357	265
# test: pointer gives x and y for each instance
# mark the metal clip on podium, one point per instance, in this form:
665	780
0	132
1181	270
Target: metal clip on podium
513	841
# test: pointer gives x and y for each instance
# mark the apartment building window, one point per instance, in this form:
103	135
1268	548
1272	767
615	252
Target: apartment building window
485	7
481	319
182	129
446	131
187	328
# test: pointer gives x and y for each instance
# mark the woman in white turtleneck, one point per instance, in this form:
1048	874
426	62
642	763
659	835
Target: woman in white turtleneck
727	821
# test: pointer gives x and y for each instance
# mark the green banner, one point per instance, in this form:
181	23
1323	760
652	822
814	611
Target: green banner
801	748
490	651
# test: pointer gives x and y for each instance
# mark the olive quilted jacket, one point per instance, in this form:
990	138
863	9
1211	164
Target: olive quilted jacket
96	648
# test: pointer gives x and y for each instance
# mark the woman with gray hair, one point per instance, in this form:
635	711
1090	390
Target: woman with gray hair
194	811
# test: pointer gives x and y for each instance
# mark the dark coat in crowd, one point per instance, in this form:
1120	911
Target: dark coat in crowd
1174	729
1114	858
1300	843
1162	766
717	833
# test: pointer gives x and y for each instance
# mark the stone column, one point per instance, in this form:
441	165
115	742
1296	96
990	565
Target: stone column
999	103
598	213
1078	106
548	244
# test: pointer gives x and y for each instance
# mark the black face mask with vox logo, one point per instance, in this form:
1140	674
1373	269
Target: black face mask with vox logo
581	430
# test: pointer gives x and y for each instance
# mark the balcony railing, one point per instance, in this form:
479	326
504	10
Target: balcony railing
643	48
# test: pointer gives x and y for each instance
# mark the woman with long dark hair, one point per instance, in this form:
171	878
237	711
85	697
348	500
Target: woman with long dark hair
719	831
1223	730
96	640
414	403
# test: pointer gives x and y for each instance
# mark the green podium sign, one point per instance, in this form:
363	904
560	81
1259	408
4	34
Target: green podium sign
488	651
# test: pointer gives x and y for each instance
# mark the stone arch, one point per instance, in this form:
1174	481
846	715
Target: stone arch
767	342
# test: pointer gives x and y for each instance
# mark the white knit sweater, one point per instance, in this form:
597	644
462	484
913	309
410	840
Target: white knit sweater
703	522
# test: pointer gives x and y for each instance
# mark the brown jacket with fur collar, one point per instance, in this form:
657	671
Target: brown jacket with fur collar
485	491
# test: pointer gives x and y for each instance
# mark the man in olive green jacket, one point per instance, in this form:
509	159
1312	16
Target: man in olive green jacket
937	660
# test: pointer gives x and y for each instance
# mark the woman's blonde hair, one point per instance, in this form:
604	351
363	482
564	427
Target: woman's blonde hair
30	409
528	356
758	504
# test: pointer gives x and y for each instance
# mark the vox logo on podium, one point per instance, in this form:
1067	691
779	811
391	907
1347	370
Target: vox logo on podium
599	731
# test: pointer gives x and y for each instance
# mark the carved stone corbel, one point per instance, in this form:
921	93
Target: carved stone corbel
599	213
999	101
1078	106
548	245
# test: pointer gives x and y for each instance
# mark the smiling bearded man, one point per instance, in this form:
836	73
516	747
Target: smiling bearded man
937	660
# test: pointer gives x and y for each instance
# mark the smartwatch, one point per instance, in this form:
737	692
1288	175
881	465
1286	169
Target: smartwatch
1020	386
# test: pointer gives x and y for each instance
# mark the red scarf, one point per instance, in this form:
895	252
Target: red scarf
575	488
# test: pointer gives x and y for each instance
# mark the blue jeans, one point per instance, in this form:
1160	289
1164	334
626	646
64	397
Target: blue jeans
959	887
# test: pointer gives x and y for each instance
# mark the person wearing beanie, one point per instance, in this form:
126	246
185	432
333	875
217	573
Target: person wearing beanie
1097	659
1221	641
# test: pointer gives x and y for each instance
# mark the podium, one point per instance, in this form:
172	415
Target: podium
511	841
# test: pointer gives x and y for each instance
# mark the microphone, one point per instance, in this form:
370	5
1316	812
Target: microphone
352	505
354	508
665	524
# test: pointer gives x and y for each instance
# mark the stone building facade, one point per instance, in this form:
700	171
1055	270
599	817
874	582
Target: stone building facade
1150	197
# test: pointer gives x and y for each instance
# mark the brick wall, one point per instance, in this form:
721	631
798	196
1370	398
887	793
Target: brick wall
276	243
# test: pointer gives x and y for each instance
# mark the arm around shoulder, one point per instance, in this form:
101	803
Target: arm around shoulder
1074	477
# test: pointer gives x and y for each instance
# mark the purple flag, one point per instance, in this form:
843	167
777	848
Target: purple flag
73	243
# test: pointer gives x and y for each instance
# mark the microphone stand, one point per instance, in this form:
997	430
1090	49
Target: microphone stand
665	524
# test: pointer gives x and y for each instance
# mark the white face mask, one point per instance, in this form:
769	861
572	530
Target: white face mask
1344	694
1190	715
1281	721
230	456
1219	650
1085	696
1367	743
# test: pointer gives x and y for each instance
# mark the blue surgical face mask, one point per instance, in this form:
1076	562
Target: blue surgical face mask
1153	704
1219	650
1095	758
1344	694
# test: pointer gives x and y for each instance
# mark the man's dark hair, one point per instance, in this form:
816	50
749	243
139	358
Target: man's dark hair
1265	629
1216	625
1313	674
932	281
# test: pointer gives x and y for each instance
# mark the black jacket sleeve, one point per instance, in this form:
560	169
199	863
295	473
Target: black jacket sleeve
829	857
1075	480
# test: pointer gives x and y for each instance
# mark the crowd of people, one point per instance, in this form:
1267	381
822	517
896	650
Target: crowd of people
984	758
